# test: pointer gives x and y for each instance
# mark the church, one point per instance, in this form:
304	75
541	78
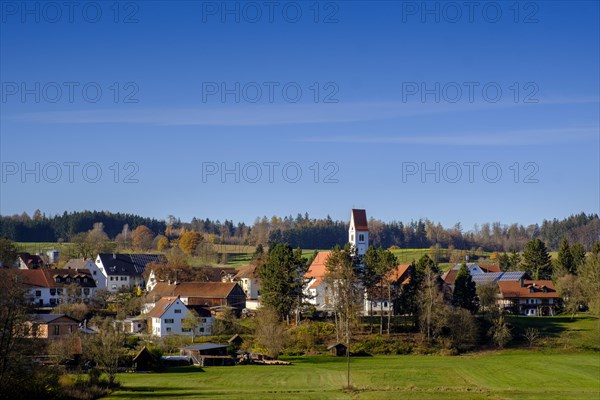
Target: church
358	237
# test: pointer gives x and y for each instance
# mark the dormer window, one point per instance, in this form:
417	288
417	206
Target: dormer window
57	279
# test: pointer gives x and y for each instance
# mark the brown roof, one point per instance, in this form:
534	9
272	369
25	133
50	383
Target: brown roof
246	271
360	220
46	278
450	276
537	289
194	289
162	306
490	268
317	268
75	263
398	272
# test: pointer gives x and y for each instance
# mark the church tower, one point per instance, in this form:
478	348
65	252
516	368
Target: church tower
358	233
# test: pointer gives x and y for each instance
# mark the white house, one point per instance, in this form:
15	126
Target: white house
247	278
50	287
168	314
115	271
316	288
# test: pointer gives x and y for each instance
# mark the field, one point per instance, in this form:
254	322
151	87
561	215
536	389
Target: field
514	374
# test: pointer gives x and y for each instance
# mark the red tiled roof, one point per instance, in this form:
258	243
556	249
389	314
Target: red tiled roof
317	268
360	220
46	278
193	289
162	306
398	272
246	271
513	289
490	268
450	276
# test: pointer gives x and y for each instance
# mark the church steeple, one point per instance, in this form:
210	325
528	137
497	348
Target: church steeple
358	233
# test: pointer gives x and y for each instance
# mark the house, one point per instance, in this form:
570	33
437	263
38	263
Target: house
208	354
134	325
316	287
377	300
117	271
213	295
247	278
203	274
50	287
80	263
50	326
482	275
528	297
167	316
29	261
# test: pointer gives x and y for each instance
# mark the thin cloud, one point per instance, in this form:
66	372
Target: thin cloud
523	137
271	114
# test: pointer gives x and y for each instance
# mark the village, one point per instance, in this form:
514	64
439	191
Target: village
168	304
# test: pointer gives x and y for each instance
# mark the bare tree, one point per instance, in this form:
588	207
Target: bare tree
106	349
191	322
531	335
270	331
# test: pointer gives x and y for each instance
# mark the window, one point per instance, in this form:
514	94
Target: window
70	328
52	301
177	311
201	329
123	278
186	330
168	329
169	320
86	291
352	237
59	292
94	272
56	330
361	237
38	293
203	320
57	279
53	292
111	278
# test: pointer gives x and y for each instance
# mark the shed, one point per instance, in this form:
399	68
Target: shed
338	349
236	341
144	360
208	354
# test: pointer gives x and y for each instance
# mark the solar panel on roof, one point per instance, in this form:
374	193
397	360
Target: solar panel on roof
512	276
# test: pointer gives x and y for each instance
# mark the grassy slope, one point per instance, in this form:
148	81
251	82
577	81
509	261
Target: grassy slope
502	375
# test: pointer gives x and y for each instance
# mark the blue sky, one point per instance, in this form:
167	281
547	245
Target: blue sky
388	89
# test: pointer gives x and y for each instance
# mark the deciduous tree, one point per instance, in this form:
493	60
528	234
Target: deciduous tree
142	238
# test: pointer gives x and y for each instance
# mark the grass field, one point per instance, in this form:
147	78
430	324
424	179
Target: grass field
499	375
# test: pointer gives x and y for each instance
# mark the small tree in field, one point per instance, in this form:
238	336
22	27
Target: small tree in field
191	322
270	331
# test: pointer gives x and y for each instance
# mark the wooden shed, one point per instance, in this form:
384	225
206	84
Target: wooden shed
338	349
208	354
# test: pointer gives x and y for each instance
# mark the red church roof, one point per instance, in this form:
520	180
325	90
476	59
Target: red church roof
360	220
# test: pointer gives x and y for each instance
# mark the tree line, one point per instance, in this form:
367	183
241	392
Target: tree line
303	231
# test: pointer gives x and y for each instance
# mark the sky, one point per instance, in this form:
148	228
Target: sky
465	112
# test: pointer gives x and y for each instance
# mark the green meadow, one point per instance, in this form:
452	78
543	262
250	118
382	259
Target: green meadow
512	374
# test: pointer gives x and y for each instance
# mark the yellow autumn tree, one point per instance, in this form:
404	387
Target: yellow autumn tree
189	241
